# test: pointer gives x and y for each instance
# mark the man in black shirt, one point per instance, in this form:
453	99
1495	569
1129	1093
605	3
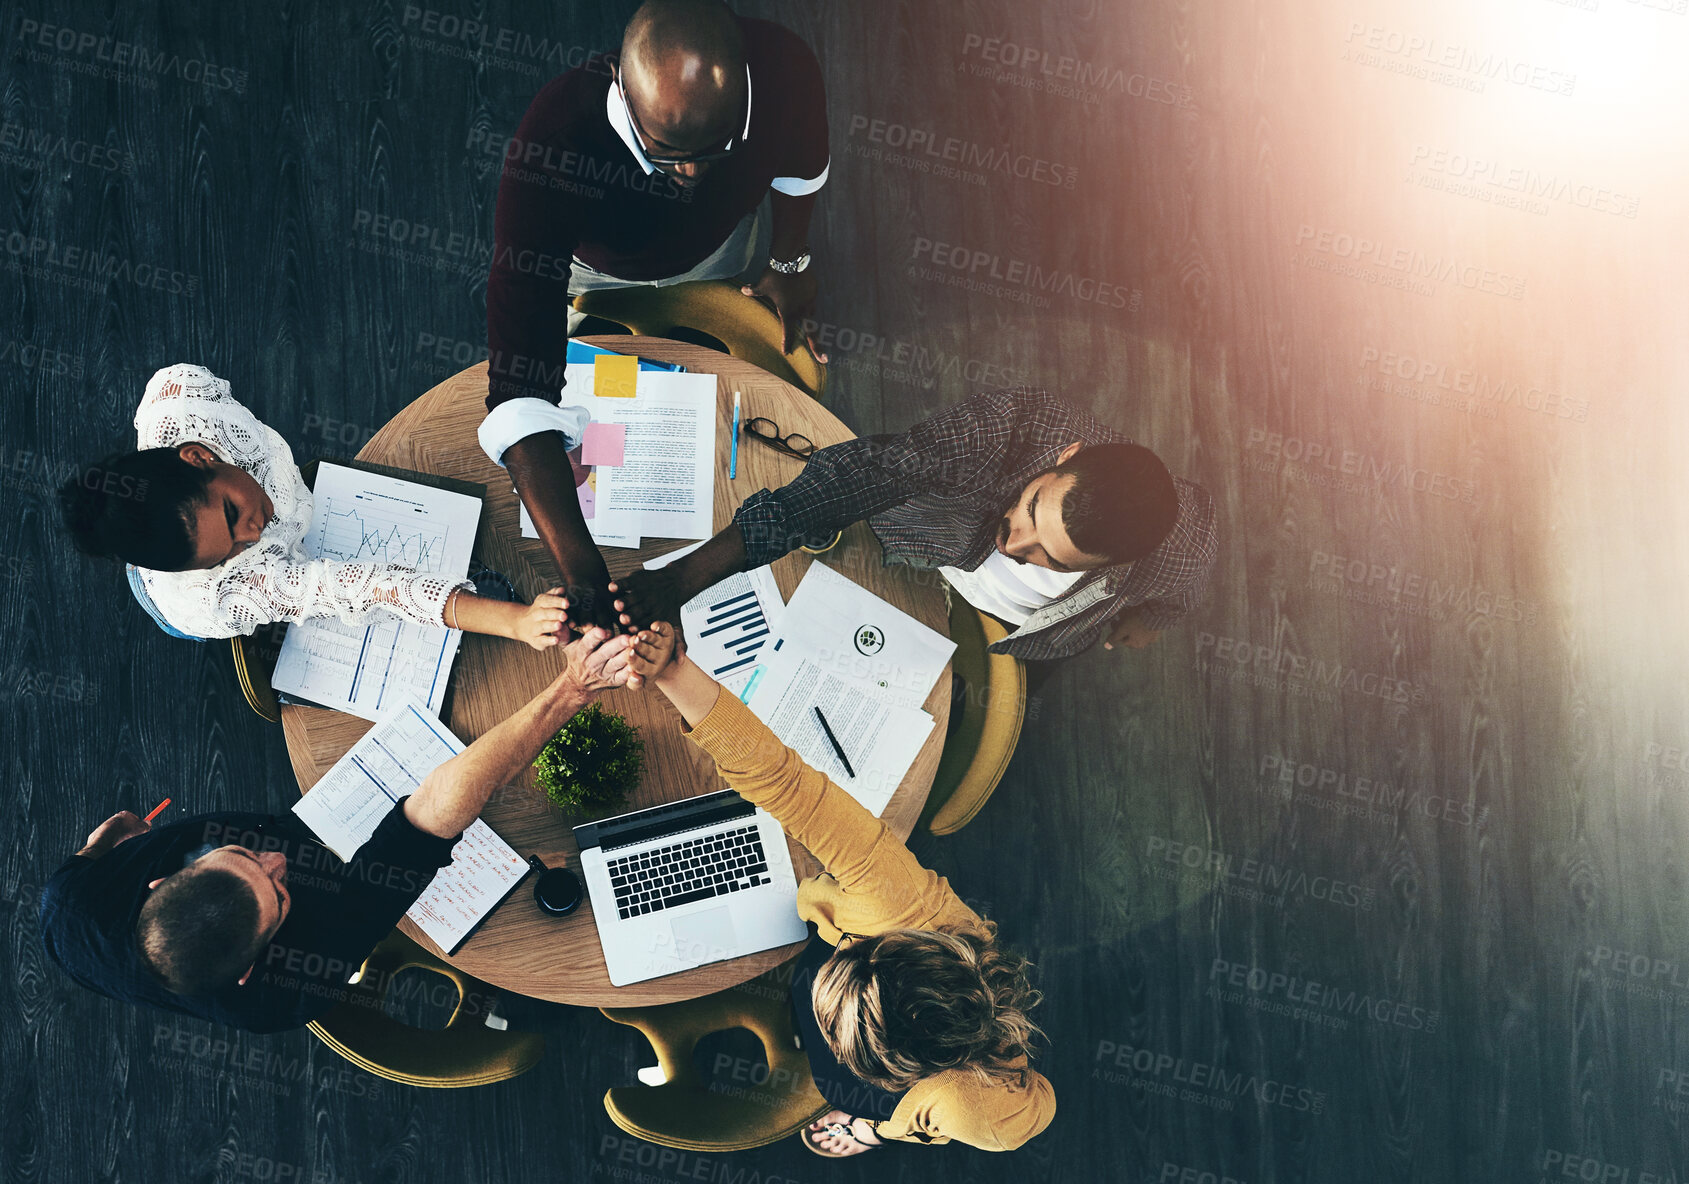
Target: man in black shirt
245	919
646	170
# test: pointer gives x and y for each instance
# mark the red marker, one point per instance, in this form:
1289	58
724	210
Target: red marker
156	811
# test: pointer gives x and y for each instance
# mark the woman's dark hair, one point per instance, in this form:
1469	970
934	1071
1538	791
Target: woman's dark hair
136	506
1122	503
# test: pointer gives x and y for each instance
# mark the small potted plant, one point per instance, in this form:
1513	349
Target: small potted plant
592	764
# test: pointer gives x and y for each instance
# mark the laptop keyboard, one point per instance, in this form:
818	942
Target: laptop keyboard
697	869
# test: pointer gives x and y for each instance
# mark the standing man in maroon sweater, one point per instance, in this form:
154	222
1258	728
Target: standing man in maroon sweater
650	169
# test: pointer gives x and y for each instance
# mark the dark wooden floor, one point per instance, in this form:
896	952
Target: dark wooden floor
1373	870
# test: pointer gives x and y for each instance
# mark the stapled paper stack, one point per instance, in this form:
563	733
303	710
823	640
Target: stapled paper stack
867	665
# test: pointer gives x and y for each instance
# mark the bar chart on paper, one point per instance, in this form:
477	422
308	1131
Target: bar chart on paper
727	625
361	517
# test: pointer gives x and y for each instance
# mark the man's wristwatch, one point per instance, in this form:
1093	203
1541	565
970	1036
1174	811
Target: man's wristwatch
792	268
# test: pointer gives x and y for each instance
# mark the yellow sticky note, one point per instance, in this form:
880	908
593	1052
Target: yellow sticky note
615	376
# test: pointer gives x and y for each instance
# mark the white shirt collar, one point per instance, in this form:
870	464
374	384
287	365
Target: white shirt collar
616	110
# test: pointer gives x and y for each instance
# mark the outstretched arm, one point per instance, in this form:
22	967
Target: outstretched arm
536	228
542	624
957	450
451	797
839	485
856	848
545	481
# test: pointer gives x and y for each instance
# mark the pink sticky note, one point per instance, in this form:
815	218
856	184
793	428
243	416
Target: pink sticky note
587	491
604	444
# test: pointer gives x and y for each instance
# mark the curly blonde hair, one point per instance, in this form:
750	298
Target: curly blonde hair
910	1003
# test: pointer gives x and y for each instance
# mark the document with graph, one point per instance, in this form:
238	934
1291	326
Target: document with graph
727	625
372	517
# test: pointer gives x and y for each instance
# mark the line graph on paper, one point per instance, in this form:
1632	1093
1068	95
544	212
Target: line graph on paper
365	664
391	533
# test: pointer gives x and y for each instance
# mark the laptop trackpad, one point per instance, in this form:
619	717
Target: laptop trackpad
706	936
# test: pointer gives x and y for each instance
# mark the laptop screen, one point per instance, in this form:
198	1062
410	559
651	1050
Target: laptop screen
654	823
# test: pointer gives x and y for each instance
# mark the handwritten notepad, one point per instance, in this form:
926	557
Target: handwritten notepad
348	803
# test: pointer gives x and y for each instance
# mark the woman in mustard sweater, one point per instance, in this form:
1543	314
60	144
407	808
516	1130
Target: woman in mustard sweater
913	1017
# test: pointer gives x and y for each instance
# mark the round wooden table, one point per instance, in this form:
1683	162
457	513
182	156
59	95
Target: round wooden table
518	947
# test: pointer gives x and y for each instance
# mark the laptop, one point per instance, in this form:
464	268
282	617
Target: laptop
688	883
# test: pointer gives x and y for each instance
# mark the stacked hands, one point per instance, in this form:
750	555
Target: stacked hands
651	596
643	596
599	659
542	624
619	605
623	605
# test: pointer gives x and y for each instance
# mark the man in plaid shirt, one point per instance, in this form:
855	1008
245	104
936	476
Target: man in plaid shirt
1031	508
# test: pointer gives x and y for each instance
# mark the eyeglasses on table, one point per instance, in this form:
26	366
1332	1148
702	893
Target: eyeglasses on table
770	434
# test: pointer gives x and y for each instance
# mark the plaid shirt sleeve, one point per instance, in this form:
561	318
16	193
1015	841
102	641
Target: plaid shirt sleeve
955	451
1179	568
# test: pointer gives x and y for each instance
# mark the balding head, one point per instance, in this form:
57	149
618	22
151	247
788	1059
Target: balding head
683	67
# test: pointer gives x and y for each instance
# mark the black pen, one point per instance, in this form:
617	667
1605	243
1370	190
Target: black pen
834	741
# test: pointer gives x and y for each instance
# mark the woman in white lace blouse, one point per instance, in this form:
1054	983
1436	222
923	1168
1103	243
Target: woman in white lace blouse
212	511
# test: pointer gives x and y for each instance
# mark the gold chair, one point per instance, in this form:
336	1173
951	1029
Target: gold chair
745	326
681	1111
993	707
465	1052
254	663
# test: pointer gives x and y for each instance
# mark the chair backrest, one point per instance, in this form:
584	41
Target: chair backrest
254	664
744	325
977	752
464	1053
138	589
683	1112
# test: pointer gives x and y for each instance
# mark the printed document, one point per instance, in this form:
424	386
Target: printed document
880	734
848	631
369	517
728	624
666	480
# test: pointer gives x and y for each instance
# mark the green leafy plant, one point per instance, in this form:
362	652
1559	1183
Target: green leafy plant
592	764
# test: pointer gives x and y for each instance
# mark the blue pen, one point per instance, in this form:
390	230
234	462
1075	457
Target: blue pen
733	464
